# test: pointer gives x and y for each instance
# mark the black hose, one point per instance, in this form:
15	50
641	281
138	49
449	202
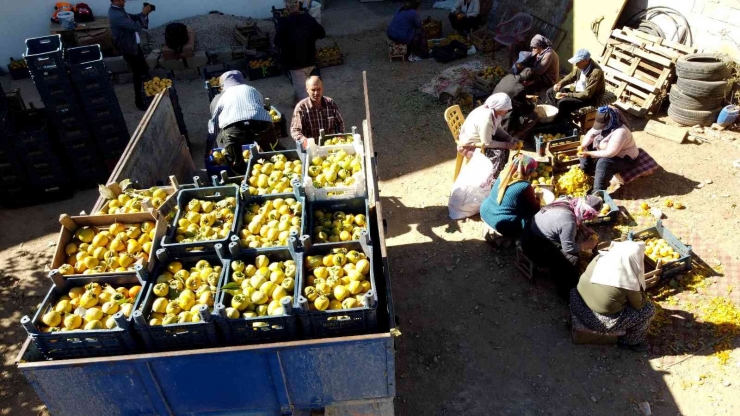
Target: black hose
646	15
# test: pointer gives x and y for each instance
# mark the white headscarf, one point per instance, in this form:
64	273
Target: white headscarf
497	102
623	266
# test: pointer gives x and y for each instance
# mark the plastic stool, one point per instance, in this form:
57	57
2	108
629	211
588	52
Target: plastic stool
396	50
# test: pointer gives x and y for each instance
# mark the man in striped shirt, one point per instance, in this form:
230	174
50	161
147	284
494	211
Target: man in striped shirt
238	118
315	113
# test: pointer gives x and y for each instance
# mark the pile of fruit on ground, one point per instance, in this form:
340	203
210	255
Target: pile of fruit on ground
328	52
492	73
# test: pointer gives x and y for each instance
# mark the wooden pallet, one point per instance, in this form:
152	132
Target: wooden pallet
639	68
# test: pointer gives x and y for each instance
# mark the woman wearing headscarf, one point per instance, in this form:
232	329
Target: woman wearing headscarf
546	63
483	127
512	201
608	148
553	240
406	29
611	296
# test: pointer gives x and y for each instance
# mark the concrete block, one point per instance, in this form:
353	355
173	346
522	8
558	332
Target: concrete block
198	60
116	64
172	64
186	74
152	60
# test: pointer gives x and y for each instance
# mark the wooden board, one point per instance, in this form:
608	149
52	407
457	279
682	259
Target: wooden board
578	23
664	131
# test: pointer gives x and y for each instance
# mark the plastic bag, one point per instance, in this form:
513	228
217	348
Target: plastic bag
472	186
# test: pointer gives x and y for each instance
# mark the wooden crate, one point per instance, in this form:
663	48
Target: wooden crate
71	224
329	60
483	40
163	210
638	69
432	28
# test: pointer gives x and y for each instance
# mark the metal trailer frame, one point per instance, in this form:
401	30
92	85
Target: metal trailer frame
352	375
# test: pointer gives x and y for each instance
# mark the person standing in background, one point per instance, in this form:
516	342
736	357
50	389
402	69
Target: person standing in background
125	29
296	37
314	113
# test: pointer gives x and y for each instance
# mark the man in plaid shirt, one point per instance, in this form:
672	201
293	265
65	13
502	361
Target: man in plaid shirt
314	113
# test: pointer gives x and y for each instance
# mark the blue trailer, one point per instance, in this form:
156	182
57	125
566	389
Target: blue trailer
351	375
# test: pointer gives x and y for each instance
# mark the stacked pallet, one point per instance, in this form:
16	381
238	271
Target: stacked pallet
639	68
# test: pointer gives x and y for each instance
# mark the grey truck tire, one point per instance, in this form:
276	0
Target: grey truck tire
702	89
687	102
692	117
703	67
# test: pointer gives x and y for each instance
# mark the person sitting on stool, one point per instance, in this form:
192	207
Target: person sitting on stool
240	118
588	86
465	16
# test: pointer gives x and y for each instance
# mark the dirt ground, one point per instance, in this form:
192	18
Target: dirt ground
478	338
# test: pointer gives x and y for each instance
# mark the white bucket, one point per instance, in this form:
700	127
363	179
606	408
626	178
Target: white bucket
67	20
315	11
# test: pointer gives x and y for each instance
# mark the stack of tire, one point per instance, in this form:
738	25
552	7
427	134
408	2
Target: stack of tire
697	96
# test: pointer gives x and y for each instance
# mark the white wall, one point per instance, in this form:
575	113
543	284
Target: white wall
715	24
30	18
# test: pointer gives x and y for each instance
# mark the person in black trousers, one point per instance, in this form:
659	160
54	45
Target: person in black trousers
125	29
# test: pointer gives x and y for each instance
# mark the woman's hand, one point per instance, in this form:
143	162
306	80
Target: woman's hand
584	153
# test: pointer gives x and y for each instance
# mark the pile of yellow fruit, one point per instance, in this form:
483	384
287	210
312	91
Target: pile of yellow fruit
274	176
90	308
218	158
450	38
156	85
206	220
573	183
492	73
261	63
337	280
658	248
348	139
606	209
214	82
337	226
262	286
329	51
115	249
541	176
130	201
269	224
180	293
336	169
274	115
17	64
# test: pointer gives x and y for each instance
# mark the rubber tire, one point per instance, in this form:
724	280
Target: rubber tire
692	117
702	89
682	100
691	67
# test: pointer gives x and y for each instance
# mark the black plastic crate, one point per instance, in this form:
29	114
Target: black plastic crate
12	177
48	174
24	194
101	82
352	206
47	78
28	129
44	54
101	128
270	71
215	194
255	156
86	62
73	133
113	145
63	90
98	97
104	111
60	105
260	200
67	119
180	336
82	343
258	329
341	322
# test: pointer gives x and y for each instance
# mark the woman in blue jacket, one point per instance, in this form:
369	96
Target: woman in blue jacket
405	28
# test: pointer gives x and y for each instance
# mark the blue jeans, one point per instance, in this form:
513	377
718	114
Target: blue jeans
604	168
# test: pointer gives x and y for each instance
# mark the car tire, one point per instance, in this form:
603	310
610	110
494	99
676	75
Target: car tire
692	117
704	67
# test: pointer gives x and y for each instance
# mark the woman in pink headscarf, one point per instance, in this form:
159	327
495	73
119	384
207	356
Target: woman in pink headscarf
552	240
483	127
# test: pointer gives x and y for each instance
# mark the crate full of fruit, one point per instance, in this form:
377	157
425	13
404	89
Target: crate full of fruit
563	152
609	211
256	295
87	316
273	173
268	221
337	290
205	217
483	40
177	308
18	69
432	28
263	68
106	245
215	160
338	141
329	56
335	172
488	78
663	250
124	198
337	221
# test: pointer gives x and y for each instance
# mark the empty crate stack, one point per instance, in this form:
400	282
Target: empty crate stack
107	126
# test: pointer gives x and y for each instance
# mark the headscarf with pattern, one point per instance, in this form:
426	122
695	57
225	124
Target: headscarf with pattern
518	170
614	119
584	209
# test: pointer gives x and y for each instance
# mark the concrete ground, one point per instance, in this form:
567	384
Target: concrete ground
478	339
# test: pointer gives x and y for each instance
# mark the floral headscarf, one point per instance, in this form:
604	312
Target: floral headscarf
614	119
584	209
518	170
